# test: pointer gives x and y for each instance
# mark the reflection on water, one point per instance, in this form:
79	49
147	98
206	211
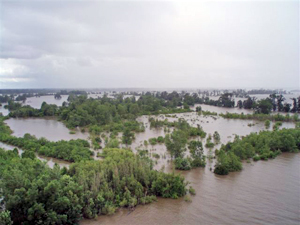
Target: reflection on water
3	110
49	128
36	102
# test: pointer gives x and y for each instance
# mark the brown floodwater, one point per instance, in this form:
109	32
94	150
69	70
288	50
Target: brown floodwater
3	110
264	192
36	102
50	128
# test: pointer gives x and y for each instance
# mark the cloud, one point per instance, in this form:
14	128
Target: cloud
149	44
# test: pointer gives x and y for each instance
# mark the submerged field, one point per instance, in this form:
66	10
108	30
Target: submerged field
257	194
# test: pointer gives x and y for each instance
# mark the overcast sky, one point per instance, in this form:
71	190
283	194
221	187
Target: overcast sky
90	44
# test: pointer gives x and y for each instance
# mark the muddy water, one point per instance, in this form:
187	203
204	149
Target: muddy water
227	129
264	192
288	97
36	102
49	128
218	110
3	110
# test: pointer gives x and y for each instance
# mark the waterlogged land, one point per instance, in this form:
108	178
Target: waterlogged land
49	127
50	161
264	192
55	130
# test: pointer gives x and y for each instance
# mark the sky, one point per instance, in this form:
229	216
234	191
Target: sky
149	44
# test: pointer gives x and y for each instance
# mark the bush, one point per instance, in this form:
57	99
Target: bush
155	155
209	144
152	141
160	139
183	163
221	170
192	190
267	124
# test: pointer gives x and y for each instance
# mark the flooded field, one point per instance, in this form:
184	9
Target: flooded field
36	102
227	128
264	192
49	128
3	110
50	161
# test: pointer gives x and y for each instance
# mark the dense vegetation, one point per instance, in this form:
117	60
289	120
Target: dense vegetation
177	141
35	194
275	102
72	151
259	146
5	98
105	112
261	117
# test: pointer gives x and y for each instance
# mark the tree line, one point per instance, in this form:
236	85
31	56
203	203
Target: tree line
72	151
275	102
258	146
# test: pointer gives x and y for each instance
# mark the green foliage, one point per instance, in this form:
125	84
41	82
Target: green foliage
160	139
192	191
5	98
267	124
277	125
36	194
198	109
209	144
5	218
216	137
196	151
227	162
33	193
225	100
152	141
182	163
264	106
261	117
127	137
73	150
17	110
259	146
112	143
176	142
187	198
155	155
207	113
82	111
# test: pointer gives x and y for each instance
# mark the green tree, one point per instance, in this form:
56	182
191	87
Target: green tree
5	218
176	143
264	106
127	137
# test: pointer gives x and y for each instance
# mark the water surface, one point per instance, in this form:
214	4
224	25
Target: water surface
50	128
264	192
